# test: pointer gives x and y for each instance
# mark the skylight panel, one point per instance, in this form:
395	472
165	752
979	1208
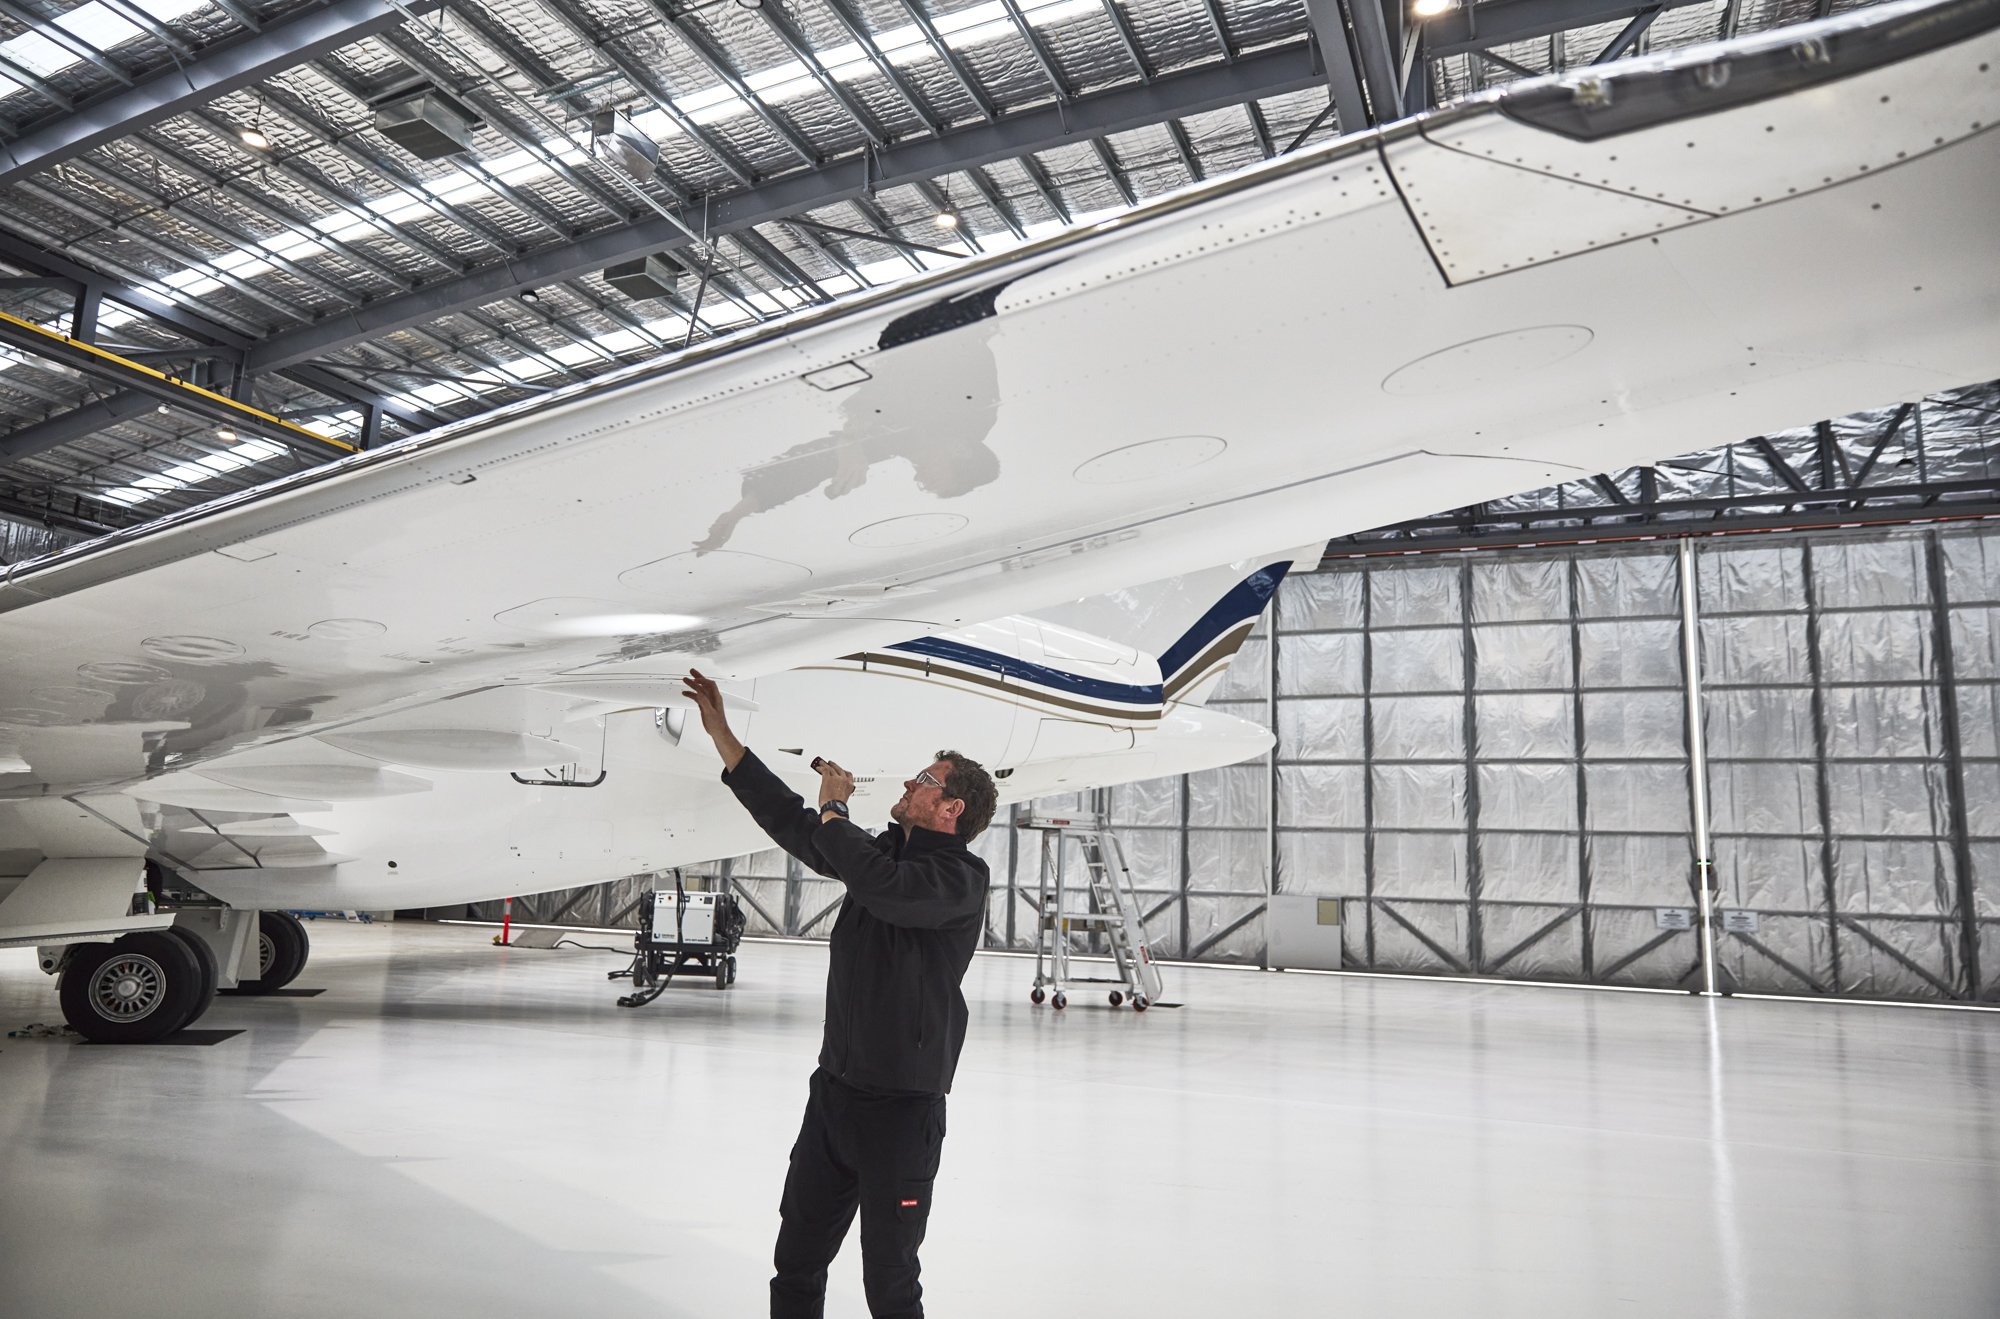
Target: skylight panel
526	368
438	394
157	484
257	451
127	496
169	11
37	54
655	124
574	354
293	245
186	473
242	263
774	75
97	25
620	341
222	462
397	208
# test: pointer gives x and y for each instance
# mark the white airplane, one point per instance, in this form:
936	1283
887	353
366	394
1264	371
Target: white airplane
1568	275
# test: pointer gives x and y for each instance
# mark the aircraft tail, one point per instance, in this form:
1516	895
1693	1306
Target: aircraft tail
1194	623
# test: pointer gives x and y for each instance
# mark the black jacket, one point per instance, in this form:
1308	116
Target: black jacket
915	906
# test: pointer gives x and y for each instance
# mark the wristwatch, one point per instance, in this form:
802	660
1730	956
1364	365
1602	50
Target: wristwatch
837	807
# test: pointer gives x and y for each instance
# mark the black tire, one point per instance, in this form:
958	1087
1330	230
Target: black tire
211	973
1117	999
721	974
732	969
1140	1003
142	988
1036	996
1060	1001
282	949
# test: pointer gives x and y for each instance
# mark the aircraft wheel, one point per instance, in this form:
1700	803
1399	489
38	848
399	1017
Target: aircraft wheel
1060	1001
1116	998
1036	996
142	988
282	949
211	974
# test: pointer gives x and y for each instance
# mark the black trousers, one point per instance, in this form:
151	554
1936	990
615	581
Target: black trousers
856	1149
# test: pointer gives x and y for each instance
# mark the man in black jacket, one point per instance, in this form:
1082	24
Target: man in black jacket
895	1019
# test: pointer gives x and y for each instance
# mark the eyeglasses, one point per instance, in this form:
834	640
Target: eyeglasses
924	779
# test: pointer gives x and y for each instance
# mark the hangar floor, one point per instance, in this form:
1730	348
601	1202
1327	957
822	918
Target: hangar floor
452	1129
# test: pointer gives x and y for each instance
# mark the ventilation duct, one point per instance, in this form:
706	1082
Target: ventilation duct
648	277
429	125
614	138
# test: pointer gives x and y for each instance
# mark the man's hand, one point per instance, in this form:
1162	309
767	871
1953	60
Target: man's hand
707	698
835	784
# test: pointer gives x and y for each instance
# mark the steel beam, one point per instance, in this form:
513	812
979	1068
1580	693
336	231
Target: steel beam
99	364
74	424
1252	77
227	68
1500	22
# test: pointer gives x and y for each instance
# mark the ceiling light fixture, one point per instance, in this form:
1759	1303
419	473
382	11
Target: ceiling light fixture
751	4
529	295
947	220
227	435
1429	8
252	138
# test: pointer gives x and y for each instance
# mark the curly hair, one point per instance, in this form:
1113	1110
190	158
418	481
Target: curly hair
970	783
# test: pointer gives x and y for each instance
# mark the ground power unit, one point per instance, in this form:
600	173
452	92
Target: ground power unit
682	934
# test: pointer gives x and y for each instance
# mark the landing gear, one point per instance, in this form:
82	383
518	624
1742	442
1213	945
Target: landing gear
282	948
142	988
211	973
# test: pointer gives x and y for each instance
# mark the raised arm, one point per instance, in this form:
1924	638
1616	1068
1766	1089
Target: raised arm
927	893
707	698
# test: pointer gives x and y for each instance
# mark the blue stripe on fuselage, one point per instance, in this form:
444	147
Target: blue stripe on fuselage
1040	675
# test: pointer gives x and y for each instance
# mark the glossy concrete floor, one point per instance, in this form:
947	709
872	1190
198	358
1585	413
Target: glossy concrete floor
456	1129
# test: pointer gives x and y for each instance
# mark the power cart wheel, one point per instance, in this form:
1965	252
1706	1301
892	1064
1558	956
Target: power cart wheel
1140	1003
722	975
142	988
732	969
1036	996
1116	998
1060	1001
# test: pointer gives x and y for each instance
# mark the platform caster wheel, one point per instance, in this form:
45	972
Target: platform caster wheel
142	988
1036	996
282	949
1139	1003
1060	1001
1116	998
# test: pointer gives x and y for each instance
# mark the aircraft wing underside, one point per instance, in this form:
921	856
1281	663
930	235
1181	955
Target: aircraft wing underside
1566	277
